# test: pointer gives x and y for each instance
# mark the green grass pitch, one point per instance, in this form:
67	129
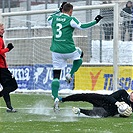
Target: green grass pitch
35	115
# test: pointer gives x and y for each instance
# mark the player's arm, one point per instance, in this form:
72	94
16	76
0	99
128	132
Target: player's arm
3	50
75	23
87	25
121	94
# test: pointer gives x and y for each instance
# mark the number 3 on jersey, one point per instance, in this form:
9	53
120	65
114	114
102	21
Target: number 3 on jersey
59	32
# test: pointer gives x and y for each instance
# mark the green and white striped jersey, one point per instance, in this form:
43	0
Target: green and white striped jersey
63	26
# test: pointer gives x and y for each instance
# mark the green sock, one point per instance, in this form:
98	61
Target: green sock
55	87
76	65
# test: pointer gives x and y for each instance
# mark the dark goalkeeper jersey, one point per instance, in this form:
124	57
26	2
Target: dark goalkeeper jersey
105	101
110	100
122	95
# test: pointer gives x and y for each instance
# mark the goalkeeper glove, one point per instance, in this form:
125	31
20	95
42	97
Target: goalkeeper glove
98	18
61	7
118	104
128	111
10	46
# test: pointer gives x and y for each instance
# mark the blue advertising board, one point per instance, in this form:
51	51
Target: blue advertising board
39	76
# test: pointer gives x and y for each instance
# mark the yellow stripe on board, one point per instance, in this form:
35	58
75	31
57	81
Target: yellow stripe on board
101	78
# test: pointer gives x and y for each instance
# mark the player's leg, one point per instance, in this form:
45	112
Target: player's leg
96	99
96	111
55	88
9	84
76	65
7	80
55	83
85	97
76	98
77	62
7	100
58	64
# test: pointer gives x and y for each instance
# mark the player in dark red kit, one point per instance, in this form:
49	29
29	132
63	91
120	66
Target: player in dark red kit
103	105
7	81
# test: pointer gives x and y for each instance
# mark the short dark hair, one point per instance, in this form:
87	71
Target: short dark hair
67	7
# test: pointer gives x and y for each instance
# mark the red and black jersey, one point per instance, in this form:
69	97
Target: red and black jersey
3	50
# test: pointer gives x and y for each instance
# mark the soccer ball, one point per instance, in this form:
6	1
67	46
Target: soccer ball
122	108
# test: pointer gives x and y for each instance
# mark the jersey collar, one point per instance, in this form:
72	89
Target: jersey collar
65	14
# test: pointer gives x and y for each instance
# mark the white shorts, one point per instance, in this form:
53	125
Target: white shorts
60	60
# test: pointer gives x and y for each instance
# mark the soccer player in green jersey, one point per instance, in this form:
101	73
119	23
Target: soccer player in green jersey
63	47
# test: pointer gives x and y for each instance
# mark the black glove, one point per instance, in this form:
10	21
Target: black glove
98	18
10	46
61	7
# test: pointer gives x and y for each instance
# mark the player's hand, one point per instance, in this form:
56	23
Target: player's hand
118	104
98	18
10	46
61	7
128	111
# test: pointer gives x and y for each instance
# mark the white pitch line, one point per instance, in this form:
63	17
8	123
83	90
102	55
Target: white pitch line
37	108
3	107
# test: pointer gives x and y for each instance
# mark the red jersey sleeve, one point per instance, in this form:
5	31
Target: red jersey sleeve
3	50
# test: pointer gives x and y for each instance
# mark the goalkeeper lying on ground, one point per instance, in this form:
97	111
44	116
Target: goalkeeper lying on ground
103	105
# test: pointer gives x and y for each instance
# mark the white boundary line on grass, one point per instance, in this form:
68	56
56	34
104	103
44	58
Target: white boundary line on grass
36	108
45	108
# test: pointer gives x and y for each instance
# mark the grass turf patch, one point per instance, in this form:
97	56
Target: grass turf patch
35	115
